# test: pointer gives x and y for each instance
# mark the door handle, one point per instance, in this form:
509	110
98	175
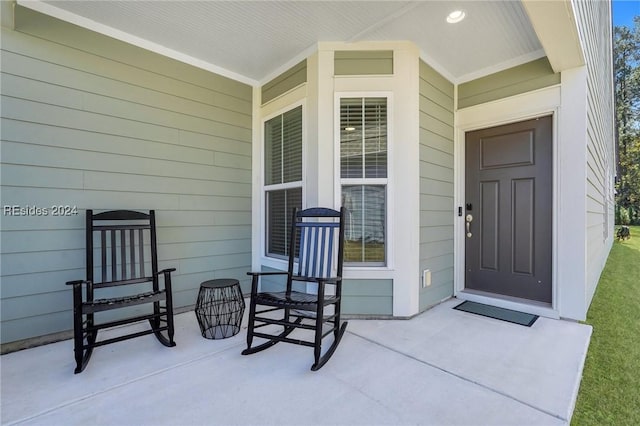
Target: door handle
469	219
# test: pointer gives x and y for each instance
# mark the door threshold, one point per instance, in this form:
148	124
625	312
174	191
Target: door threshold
507	302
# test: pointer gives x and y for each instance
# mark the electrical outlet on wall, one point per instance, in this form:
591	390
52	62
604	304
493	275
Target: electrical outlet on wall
426	278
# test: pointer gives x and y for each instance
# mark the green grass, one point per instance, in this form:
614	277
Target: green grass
610	389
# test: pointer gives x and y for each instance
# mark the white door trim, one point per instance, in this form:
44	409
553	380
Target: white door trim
504	111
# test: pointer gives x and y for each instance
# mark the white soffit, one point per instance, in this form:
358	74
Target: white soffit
493	35
252	39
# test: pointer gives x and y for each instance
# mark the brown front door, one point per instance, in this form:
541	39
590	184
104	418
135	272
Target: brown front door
508	209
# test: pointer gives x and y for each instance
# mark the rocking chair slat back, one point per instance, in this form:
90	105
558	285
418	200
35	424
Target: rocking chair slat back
316	256
119	252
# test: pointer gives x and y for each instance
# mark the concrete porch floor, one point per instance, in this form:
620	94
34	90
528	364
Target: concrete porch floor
443	367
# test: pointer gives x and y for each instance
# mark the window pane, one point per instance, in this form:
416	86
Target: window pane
351	137
292	145
279	208
375	137
273	150
365	230
283	148
363	137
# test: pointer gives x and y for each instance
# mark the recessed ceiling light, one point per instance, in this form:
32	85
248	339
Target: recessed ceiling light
455	16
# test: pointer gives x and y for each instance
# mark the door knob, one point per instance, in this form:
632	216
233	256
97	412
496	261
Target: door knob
469	219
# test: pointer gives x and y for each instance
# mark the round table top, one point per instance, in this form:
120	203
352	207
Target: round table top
220	283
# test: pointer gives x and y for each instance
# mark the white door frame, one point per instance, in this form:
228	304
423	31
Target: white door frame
504	111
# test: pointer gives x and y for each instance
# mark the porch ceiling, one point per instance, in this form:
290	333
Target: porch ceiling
254	40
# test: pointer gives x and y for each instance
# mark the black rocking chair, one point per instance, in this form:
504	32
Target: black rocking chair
124	245
315	235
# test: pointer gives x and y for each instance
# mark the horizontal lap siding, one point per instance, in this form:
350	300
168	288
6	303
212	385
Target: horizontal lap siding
436	185
520	79
96	123
367	297
363	62
286	81
595	31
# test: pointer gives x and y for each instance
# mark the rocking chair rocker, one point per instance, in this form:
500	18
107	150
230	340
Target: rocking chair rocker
312	243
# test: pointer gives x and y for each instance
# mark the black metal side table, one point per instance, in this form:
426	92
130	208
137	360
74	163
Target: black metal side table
219	308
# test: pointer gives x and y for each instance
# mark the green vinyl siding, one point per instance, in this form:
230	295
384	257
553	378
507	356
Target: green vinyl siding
93	122
367	297
436	185
593	23
363	62
286	81
513	81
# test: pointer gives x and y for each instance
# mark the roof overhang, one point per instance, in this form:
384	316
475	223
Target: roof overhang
252	41
555	25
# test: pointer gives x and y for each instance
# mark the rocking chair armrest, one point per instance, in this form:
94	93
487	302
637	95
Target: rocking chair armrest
330	280
77	283
257	274
167	277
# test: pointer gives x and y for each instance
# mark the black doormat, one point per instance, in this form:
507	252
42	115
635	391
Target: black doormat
497	313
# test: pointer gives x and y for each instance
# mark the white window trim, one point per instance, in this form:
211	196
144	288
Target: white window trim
362	270
265	259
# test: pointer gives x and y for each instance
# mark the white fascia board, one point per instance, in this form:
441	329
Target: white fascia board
555	25
81	21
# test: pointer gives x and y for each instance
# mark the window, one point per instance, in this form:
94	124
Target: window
363	178
283	177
